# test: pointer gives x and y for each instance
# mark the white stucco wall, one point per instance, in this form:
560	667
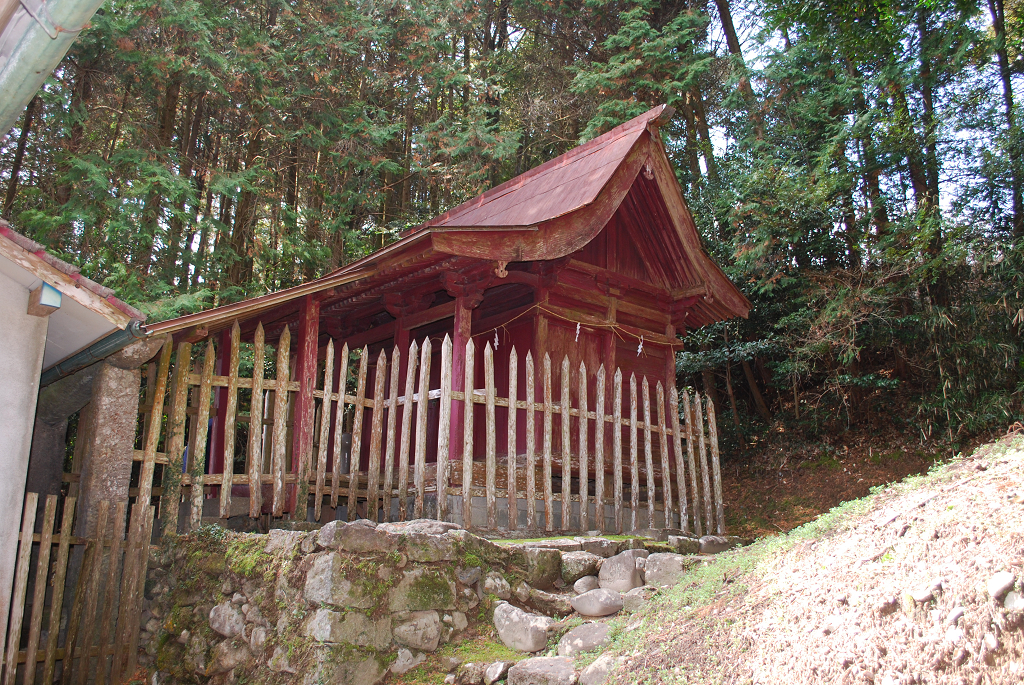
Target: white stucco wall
22	339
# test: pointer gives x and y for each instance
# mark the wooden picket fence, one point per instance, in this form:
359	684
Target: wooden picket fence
77	601
645	453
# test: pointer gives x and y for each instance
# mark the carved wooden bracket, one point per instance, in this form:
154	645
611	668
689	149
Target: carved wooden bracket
470	286
403	304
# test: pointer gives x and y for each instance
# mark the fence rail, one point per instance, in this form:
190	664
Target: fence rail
423	443
76	602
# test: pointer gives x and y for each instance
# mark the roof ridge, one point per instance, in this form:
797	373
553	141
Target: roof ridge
570	155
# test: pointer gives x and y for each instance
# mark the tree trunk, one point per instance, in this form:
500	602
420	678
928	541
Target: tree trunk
12	184
759	403
732	403
999	25
241	268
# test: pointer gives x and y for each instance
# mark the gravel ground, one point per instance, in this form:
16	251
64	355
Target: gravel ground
909	585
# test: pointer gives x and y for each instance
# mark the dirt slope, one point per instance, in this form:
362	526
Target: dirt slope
893	588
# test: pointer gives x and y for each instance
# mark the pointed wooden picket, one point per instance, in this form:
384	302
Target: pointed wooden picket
376	438
389	450
511	462
339	422
531	446
599	428
422	403
491	438
584	474
280	421
549	507
566	425
227	480
325	431
467	437
617	448
412	364
444	429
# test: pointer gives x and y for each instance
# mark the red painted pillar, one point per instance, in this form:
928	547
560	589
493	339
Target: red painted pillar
302	431
462	332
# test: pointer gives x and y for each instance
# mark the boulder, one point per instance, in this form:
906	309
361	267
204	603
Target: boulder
356	671
636	598
496	671
586	584
597	673
600	602
227	655
664	569
326	584
585	638
423	589
620	573
543	567
406	661
278	661
999	584
351	627
684	544
550	603
561	544
575	565
419	630
495	584
602	547
420	526
544	670
522	592
471	673
360	537
468	576
713	544
519	630
656	534
227	619
428	548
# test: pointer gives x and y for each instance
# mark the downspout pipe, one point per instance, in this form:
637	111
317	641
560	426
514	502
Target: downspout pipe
98	351
37	36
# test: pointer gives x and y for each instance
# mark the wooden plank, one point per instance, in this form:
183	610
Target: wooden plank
599	450
584	472
444	428
648	453
142	569
531	446
704	475
716	470
230	427
92	594
280	436
106	626
403	458
491	433
197	458
325	432
357	436
677	450
57	600
565	422
666	473
512	497
170	498
155	422
549	505
75	619
376	429
467	436
389	452
305	406
617	449
39	593
17	615
634	464
694	489
256	411
422	404
339	422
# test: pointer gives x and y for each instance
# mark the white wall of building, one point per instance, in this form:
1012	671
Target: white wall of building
22	340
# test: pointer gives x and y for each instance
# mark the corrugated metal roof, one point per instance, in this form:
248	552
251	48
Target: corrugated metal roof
553	189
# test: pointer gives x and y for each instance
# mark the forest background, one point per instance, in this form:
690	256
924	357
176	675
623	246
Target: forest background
855	166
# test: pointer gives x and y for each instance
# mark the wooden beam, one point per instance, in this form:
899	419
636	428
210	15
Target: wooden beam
62	282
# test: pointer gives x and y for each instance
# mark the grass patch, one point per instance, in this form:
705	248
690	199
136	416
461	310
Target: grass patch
479	649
